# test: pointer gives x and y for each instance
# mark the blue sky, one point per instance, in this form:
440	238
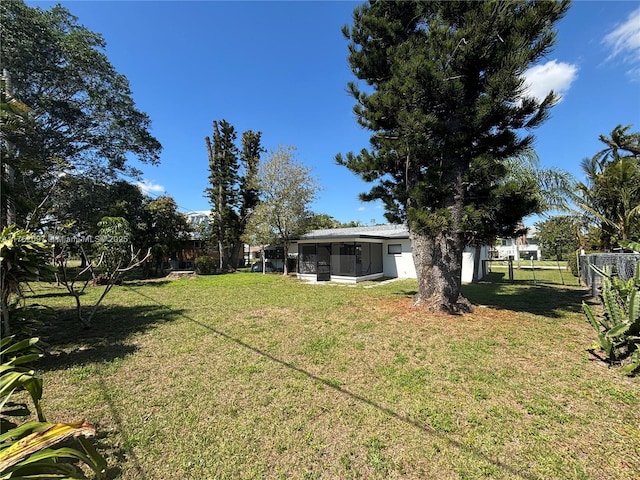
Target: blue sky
281	68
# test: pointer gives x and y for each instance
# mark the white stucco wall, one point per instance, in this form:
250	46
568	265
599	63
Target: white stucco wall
398	265
468	257
467	265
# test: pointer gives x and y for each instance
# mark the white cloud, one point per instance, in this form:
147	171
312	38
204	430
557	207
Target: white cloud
553	75
624	41
149	187
362	209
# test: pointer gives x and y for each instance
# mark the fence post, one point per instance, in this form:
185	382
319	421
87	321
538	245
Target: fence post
511	268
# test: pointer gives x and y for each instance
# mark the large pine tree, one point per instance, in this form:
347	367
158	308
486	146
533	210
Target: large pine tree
232	195
446	102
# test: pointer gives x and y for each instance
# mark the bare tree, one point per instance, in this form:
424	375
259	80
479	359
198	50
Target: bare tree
286	190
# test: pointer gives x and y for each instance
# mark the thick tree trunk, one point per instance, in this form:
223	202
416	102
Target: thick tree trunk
237	255
438	262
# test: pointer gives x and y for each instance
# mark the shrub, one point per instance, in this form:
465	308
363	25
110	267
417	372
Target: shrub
23	259
206	265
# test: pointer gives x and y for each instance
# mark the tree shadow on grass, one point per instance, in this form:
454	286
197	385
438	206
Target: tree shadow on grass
511	471
52	295
151	282
68	344
543	298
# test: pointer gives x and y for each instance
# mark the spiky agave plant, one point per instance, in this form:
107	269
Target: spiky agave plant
618	327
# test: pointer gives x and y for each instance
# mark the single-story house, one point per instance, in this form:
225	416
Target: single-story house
357	254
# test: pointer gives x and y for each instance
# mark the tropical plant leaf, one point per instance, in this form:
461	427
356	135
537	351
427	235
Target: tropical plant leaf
21	345
21	360
22	430
633	365
613	310
99	462
607	345
36	445
590	317
618	330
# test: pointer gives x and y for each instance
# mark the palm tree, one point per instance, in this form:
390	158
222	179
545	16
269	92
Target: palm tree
610	196
554	185
617	142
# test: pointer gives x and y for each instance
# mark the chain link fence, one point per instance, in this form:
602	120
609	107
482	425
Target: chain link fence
622	264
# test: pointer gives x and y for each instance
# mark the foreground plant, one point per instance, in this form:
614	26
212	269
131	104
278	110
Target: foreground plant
618	327
23	259
38	449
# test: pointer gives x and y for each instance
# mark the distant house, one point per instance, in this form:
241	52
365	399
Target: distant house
523	247
365	253
194	246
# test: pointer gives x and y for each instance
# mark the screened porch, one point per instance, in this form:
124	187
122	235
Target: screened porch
340	261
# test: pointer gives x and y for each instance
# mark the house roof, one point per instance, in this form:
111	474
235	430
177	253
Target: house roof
382	232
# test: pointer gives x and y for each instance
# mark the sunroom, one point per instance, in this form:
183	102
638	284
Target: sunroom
347	254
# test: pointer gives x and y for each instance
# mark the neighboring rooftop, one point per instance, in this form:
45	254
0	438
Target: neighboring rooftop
374	231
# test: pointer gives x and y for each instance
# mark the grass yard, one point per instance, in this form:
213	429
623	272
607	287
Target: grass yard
251	376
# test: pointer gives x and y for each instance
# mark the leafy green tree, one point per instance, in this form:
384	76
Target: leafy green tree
610	196
259	233
286	189
114	255
164	230
446	101
113	240
17	124
320	221
84	120
619	143
559	236
79	204
231	195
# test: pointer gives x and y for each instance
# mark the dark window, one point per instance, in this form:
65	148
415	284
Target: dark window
274	253
394	248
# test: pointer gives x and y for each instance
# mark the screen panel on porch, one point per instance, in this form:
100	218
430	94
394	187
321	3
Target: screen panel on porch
369	258
343	259
308	259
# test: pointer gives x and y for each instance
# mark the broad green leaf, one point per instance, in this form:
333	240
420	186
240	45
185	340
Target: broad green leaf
36	445
606	345
25	428
99	462
26	359
21	345
5	341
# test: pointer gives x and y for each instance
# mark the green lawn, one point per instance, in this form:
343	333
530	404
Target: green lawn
249	376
